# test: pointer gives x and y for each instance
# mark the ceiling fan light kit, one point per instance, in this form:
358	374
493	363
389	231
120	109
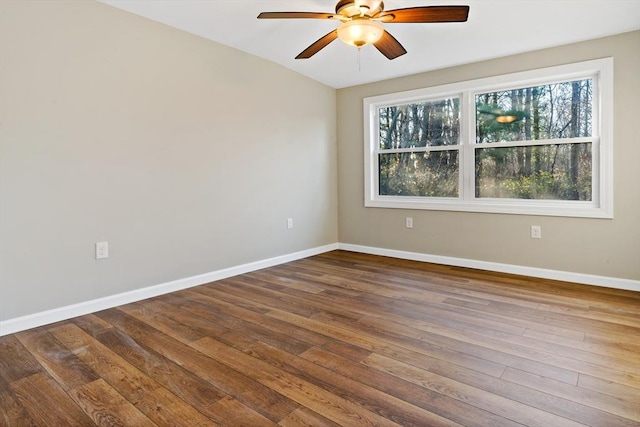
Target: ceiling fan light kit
361	24
360	32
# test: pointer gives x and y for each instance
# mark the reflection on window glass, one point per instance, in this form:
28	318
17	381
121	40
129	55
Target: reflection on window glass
554	111
550	172
427	174
423	124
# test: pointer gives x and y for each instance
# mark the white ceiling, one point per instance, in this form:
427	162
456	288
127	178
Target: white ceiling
495	28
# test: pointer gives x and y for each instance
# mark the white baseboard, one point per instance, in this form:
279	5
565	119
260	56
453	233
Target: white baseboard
67	312
586	279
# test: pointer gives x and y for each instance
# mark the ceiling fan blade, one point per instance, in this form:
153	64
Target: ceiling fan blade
295	15
389	46
426	14
318	45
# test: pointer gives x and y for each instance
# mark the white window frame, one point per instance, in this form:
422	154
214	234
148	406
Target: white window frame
601	205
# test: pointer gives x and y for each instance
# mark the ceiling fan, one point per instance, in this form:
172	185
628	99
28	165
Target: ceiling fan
361	23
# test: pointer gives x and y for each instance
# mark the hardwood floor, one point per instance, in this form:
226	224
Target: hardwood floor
338	339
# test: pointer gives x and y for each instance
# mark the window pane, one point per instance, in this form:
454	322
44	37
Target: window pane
423	124
561	110
432	174
551	172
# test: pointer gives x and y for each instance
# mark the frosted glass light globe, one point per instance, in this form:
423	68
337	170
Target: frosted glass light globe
360	32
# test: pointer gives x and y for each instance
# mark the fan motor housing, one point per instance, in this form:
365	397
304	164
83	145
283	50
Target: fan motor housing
350	8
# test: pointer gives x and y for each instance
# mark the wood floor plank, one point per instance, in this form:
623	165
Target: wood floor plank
232	382
472	344
368	397
247	288
623	408
292	281
546	317
181	382
338	339
92	324
351	352
405	306
384	346
12	412
585	321
16	362
443	314
610	388
344	304
498	405
623	354
215	304
230	412
46	403
439	281
479	310
332	406
198	312
153	400
107	407
516	351
587	312
161	322
304	417
529	396
364	286
455	411
69	371
614	342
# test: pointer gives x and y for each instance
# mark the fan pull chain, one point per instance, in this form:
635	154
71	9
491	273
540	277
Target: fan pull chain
358	59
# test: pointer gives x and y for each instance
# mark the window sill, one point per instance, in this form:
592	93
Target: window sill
496	206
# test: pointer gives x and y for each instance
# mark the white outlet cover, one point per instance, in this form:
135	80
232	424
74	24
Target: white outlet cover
102	250
536	232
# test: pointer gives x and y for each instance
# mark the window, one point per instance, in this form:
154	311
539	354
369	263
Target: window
537	142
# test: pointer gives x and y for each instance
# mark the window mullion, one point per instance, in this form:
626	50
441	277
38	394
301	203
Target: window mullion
467	168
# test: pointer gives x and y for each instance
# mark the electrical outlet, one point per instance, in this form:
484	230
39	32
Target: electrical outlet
102	250
536	232
408	222
289	223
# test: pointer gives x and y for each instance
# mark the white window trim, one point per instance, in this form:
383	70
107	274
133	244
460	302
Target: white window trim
601	70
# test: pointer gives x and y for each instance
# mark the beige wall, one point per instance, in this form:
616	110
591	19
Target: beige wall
185	155
589	246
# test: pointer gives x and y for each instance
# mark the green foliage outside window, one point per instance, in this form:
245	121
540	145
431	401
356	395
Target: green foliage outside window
424	125
502	173
420	142
548	112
